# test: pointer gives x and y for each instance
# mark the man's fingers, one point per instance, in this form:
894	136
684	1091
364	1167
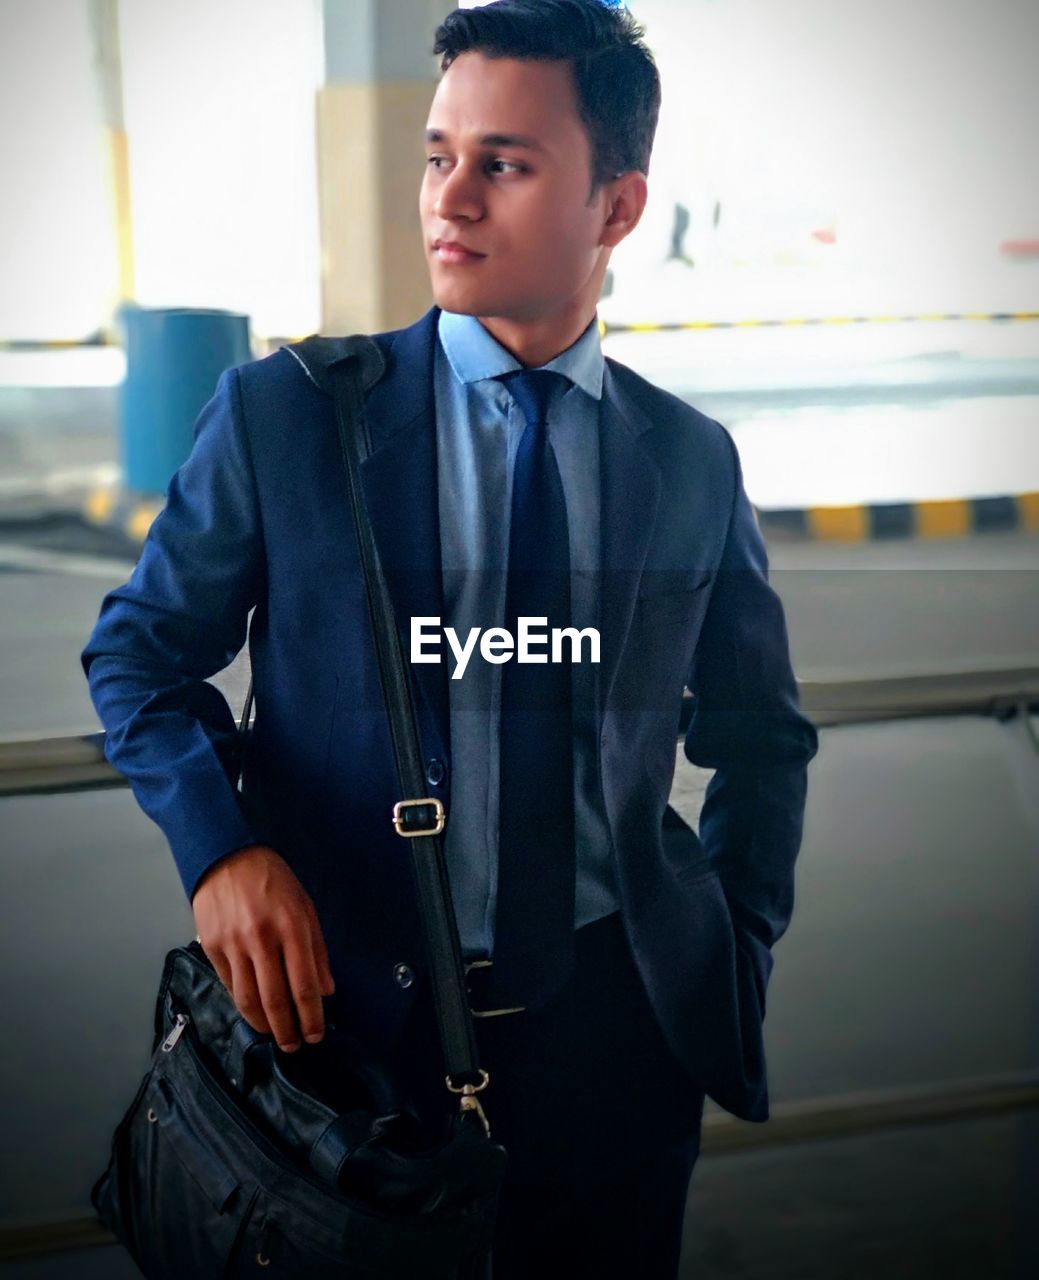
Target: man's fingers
321	960
247	994
268	946
223	968
303	979
276	998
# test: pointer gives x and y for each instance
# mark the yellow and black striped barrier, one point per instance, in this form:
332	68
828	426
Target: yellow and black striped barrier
944	518
772	323
58	344
1003	317
128	513
132	515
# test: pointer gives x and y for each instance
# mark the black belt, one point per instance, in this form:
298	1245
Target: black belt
595	941
480	985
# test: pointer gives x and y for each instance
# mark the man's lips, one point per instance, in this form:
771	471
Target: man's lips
453	251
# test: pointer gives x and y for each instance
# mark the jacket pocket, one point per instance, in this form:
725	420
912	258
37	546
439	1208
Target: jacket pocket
665	628
706	884
697	870
655	583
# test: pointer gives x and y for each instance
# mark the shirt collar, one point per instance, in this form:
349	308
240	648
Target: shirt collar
474	355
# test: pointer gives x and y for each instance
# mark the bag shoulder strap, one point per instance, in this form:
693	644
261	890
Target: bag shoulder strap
346	368
321	357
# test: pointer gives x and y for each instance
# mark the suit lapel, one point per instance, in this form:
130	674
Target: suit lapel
629	482
399	481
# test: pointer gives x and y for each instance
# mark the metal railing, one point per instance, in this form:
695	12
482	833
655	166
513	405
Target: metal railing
40	766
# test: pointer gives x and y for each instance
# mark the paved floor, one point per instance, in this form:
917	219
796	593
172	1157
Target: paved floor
945	1202
930	1202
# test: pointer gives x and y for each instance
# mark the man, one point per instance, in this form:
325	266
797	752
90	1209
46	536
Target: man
628	957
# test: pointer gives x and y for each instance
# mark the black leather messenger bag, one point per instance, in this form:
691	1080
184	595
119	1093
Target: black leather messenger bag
235	1156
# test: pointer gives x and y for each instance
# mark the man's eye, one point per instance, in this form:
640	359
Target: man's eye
496	166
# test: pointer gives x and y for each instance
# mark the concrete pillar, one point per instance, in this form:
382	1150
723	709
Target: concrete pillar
103	16
380	76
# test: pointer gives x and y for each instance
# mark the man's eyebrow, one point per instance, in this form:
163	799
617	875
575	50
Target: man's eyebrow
493	139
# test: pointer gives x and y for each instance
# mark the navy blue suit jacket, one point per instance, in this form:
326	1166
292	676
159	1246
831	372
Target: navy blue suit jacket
257	519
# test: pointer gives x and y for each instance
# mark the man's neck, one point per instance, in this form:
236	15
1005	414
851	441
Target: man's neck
535	344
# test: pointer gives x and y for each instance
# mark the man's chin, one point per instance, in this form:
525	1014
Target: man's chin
473	302
459	310
463	302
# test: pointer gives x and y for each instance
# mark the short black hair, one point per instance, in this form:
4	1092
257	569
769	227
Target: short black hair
618	86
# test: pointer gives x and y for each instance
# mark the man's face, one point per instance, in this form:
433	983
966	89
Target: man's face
508	174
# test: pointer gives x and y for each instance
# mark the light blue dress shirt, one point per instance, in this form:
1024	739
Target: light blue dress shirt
478	431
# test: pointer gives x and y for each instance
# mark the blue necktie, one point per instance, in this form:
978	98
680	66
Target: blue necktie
534	922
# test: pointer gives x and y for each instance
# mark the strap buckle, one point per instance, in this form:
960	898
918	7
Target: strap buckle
418	817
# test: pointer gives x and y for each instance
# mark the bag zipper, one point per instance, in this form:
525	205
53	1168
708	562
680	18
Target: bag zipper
175	1034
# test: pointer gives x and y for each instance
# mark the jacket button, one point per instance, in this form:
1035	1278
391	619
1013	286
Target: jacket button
435	773
403	974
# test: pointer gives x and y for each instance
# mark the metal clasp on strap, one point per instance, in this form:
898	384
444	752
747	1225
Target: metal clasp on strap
418	817
469	1101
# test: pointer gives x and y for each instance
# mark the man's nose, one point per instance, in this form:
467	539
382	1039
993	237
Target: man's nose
459	196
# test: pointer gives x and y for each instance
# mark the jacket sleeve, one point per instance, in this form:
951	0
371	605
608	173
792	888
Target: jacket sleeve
181	618
747	725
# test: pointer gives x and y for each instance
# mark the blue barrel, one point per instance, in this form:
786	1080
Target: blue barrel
174	357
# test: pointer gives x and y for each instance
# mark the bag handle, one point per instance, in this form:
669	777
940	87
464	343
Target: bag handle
345	369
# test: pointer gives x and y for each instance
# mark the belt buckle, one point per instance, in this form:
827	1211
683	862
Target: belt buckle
488	1013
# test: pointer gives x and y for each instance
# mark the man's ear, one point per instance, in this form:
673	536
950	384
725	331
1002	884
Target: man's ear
626	195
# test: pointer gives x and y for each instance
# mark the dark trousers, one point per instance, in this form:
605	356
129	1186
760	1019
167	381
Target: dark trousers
601	1123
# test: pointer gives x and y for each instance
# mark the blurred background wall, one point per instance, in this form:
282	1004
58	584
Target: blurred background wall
898	133
218	105
887	146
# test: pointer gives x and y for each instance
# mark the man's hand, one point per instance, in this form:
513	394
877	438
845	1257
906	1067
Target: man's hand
258	926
